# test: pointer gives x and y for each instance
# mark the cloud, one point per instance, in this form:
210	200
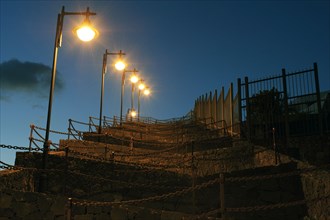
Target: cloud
27	77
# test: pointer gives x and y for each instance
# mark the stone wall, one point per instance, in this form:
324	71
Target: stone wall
23	180
83	178
150	183
21	205
312	149
315	184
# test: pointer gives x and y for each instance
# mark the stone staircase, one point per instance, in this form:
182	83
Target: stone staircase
160	171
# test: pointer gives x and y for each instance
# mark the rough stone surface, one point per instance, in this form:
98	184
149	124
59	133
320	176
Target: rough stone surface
129	178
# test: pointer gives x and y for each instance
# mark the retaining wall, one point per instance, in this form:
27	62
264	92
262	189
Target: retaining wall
93	188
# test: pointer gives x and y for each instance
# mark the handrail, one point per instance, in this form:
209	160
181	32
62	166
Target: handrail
33	140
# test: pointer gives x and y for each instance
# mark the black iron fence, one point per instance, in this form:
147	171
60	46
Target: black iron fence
285	105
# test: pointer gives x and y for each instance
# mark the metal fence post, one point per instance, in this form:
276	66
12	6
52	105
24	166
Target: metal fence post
231	108
223	107
239	92
286	109
210	112
69	129
69	209
31	137
318	96
248	112
90	124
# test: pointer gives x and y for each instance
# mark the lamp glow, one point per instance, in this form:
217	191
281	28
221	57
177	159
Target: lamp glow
141	86
134	79
120	65
146	92
86	32
133	113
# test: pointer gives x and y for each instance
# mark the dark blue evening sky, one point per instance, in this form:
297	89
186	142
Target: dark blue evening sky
183	49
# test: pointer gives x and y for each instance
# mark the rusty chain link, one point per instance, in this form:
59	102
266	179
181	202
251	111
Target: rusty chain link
52	131
18	147
149	199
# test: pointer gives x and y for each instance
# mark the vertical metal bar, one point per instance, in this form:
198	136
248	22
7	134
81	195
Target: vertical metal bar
210	107
297	84
312	83
132	97
248	113
304	82
318	96
102	90
280	90
69	129
215	106
239	92
31	137
286	109
223	106
121	97
57	44
90	124
139	94
231	108
69	209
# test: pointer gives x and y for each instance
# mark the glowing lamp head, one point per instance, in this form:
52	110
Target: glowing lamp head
133	113
141	86
86	32
120	65
146	92
134	79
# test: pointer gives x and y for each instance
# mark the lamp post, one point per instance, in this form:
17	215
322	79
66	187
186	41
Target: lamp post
134	79
85	33
120	65
141	88
146	92
134	71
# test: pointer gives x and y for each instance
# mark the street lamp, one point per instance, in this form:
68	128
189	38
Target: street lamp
134	79
146	92
84	32
120	65
134	71
133	113
141	87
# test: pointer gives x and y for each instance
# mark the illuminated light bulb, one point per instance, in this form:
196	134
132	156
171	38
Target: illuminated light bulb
141	86
120	65
134	79
133	113
146	91
86	32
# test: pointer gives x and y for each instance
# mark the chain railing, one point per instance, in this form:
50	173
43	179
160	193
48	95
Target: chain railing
221	180
222	210
40	139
